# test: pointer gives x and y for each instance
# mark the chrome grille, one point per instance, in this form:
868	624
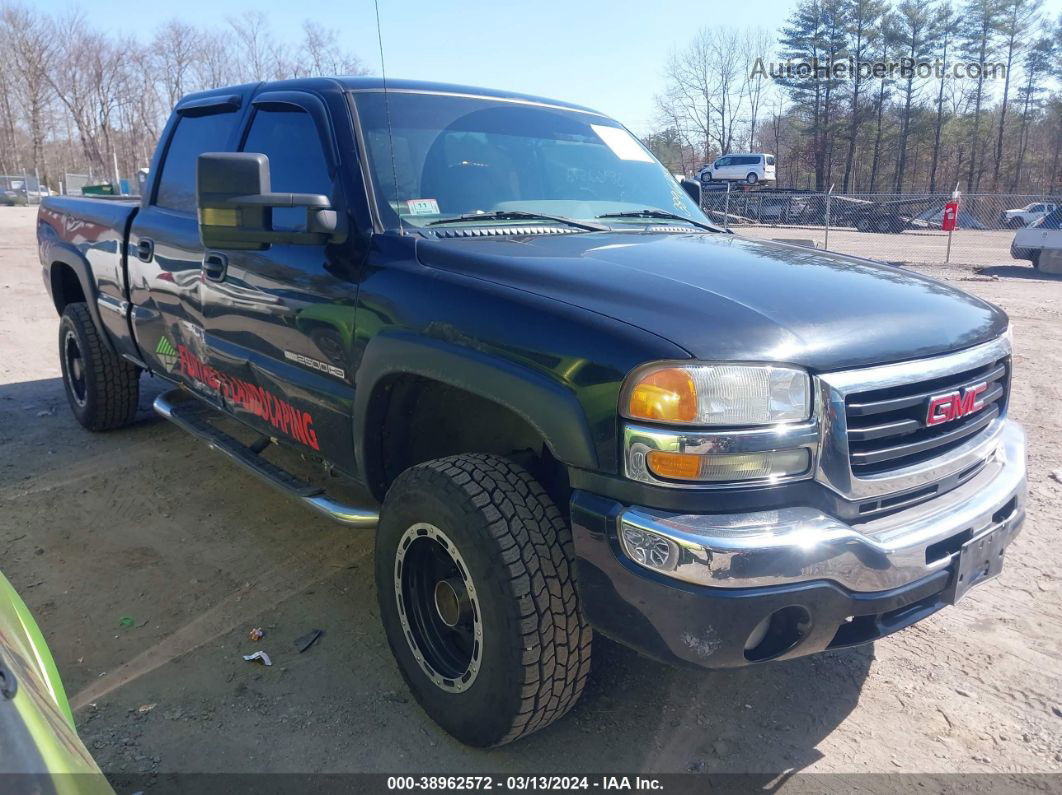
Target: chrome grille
887	427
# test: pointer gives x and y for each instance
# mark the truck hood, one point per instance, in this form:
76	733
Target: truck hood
726	297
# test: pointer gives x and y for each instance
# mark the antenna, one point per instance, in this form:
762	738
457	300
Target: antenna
387	113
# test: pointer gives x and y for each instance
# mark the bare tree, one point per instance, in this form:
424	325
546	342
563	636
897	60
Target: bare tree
29	45
257	48
74	77
756	43
713	97
175	48
319	53
214	66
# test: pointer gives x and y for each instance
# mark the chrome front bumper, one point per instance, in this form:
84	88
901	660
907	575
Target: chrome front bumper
801	544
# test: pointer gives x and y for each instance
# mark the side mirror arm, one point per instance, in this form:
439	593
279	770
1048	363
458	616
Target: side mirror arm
323	224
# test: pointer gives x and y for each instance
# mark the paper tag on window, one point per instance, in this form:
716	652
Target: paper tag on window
622	143
422	206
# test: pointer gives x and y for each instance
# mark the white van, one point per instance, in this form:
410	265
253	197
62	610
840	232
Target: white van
750	167
1031	241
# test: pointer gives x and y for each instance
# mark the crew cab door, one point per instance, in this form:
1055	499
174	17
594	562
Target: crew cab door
165	256
280	321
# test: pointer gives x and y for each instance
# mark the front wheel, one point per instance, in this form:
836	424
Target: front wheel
475	579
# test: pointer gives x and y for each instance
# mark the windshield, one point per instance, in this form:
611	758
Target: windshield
466	155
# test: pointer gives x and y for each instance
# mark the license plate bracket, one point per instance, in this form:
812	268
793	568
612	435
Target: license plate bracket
978	561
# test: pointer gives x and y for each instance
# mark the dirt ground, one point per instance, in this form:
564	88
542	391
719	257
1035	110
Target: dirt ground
968	246
146	558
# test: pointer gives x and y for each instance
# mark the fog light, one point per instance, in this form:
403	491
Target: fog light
728	466
647	548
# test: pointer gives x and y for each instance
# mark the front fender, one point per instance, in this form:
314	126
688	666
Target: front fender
548	406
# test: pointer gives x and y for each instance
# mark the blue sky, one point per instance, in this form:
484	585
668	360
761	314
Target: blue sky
607	55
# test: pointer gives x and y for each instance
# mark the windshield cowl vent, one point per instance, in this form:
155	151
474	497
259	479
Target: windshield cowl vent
497	231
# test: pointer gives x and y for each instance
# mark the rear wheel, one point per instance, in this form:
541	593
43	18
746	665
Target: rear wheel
475	579
751	179
102	388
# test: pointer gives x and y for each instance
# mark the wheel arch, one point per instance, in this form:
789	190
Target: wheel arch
70	279
514	400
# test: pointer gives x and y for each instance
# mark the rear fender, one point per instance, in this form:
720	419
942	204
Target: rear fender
57	252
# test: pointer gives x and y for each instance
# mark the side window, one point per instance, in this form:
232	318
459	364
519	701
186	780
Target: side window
192	136
1053	221
297	163
1037	208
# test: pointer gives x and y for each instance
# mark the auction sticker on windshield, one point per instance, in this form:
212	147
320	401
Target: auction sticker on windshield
422	206
622	143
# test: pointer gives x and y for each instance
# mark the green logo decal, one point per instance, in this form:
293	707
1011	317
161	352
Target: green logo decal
167	353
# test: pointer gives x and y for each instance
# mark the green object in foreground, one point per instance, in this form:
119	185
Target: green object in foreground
37	729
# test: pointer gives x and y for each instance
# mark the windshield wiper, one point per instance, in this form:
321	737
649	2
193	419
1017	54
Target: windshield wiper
520	215
653	213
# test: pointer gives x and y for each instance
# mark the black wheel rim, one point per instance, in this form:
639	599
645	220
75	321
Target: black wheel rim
75	368
438	607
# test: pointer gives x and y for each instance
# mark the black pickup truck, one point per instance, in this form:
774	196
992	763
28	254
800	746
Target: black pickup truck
577	402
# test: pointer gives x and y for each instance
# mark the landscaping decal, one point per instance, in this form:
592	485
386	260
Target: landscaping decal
259	401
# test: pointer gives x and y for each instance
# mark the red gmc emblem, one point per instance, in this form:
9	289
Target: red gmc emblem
954	405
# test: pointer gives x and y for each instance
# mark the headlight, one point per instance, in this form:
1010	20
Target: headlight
718	394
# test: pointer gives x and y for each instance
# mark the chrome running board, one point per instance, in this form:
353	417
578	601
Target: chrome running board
191	414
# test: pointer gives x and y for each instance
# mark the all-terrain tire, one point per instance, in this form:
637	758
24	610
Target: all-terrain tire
102	388
534	656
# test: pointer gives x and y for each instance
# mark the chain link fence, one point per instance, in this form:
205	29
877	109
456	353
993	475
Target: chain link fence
20	189
892	227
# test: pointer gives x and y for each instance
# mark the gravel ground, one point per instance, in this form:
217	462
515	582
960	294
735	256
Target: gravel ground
146	558
968	246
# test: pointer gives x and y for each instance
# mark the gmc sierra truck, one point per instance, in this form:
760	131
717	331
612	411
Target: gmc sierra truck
578	404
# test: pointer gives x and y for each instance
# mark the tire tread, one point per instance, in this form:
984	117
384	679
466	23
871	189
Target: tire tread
535	551
116	382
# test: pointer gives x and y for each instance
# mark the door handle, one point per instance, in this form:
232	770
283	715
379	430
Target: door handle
214	267
145	249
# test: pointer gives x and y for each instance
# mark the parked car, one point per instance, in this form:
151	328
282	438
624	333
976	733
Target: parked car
9	197
1027	215
780	208
1045	233
582	405
41	749
742	167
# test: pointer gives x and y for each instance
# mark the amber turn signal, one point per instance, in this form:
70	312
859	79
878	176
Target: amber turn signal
667	394
685	466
